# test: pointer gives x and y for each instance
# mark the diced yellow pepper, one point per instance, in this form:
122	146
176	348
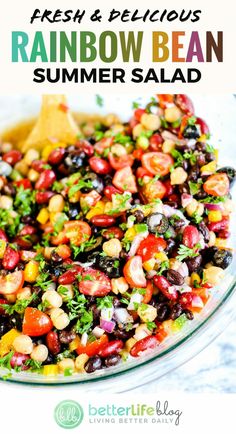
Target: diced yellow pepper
221	243
130	234
216	153
209	168
31	271
50	370
129	344
3	246
149	265
54	216
215	216
80	362
49	148
7	341
161	257
74	344
202	138
43	216
195	278
97	210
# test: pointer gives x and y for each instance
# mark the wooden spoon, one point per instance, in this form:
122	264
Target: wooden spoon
55	123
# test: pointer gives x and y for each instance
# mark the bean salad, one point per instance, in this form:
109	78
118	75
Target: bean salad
112	243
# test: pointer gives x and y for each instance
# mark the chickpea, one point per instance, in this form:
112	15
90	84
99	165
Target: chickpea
112	247
33	175
119	285
80	362
191	208
23	344
52	298
39	353
138	130
23	293
168	146
6	202
118	150
172	114
31	155
178	176
60	319
212	239
150	121
66	364
213	275
111	119
200	208
147	312
22	167
56	203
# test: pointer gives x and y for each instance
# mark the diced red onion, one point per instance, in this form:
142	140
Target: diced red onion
167	135
135	298
185	288
107	313
122	315
98	332
136	243
108	326
197	301
183	269
84	339
213	206
186	199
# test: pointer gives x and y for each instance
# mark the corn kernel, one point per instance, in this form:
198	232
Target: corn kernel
161	257
195	278
31	271
138	130
215	216
3	246
50	370
129	344
33	175
221	243
43	216
74	344
80	362
149	265
130	234
97	210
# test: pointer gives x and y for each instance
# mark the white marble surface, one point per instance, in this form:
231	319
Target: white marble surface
213	370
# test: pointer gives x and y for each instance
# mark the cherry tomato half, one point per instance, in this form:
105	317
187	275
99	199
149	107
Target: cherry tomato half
151	245
94	283
36	323
118	163
217	185
124	180
157	163
77	231
154	190
92	348
12	282
133	272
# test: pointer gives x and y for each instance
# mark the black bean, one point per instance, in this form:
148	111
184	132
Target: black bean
112	360
55	258
204	231
109	266
177	224
163	311
222	258
27	219
93	364
193	173
172	203
123	334
66	337
193	264
201	195
201	160
170	245
191	132
208	254
201	146
73	211
96	183
176	311
5	326
138	214
157	223
116	302
189	314
107	179
183	188
75	160
95	311
174	277
210	156
49	360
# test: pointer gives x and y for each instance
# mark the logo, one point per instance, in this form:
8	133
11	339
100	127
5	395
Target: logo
68	414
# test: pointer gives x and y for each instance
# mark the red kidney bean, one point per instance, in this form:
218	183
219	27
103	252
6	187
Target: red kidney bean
190	236
186	299
38	165
53	343
155	143
219	226
113	232
43	196
173	198
185	104
103	220
99	165
164	286
224	234
3	235
18	360
169	188
85	146
110	348
69	276
56	156
28	230
2	310
149	342
46	179
22	242
109	190
12	157
203	126
10	259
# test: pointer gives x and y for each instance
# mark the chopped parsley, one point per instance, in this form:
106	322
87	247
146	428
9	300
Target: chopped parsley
5	362
99	100
105	302
8	223
135	105
78	186
151	325
24	201
194	187
83	246
185	252
19	306
57	186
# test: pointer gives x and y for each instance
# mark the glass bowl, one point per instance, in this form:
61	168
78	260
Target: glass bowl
219	112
